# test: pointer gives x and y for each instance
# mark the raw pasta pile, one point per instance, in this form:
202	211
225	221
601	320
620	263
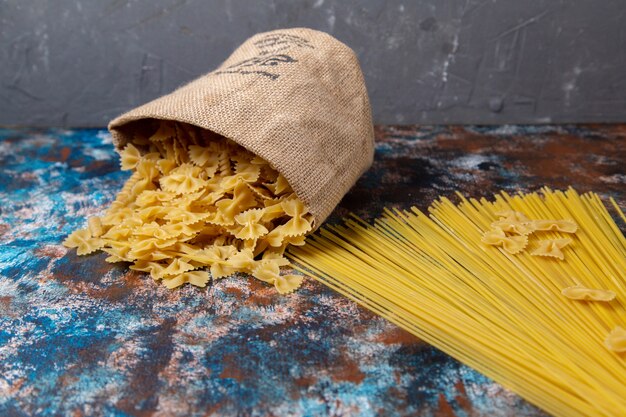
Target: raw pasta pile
197	203
538	305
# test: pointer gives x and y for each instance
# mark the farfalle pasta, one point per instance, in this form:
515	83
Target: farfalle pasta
581	293
552	248
198	207
514	226
519	228
565	226
616	340
511	244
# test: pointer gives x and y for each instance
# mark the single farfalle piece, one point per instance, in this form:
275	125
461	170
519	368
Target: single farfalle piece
176	267
279	187
150	229
616	340
175	230
260	191
242	260
266	271
247	171
181	156
84	243
196	278
129	157
269	271
229	182
148	169
204	156
224	163
276	236
581	293
215	257
155	269
552	248
228	208
144	184
565	226
288	283
94	224
273	209
145	249
183	180
249	226
113	258
297	225
512	216
179	215
115	217
511	244
165	131
275	257
514	226
119	249
166	166
152	213
153	197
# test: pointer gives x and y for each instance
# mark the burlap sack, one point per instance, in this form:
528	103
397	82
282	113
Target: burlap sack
295	97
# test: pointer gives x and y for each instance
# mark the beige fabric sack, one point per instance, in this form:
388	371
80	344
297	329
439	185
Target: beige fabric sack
295	97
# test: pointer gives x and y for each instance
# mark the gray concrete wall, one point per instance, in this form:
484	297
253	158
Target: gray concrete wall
80	63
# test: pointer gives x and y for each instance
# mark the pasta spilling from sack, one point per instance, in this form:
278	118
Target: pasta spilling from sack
547	324
198	204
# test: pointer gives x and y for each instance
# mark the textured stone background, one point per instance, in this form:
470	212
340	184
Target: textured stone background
80	63
79	336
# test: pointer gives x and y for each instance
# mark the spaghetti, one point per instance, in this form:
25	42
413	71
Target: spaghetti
502	313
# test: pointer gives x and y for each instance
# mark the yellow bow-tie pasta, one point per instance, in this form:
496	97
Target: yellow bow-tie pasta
198	205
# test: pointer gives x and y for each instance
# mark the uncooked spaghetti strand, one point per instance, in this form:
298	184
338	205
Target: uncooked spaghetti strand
618	209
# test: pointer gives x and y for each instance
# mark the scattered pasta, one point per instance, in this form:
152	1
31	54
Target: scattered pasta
190	212
565	226
522	227
514	226
512	216
588	294
616	340
552	248
511	244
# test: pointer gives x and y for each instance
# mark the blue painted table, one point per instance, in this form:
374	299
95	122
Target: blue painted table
79	336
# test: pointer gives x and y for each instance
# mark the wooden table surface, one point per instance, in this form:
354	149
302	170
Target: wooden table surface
79	336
